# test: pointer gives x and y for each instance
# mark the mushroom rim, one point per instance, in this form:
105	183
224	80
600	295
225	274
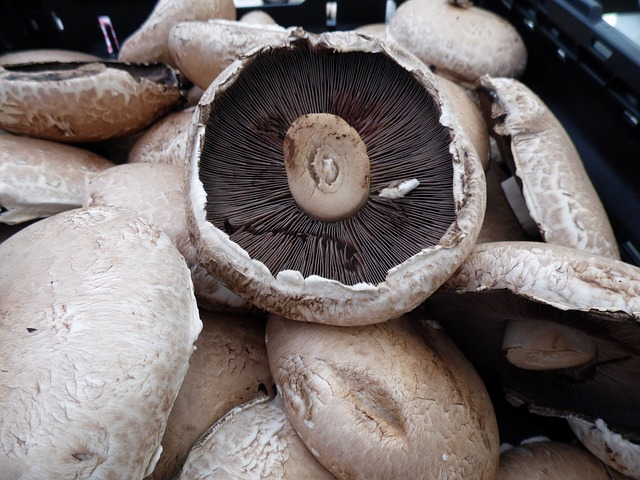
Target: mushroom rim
406	285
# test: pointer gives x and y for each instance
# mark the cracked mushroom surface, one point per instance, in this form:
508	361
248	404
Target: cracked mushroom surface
363	130
558	326
391	400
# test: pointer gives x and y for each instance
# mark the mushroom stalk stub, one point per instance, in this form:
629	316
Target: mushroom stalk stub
327	166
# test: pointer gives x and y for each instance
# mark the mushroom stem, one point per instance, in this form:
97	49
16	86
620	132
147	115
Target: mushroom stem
543	345
327	166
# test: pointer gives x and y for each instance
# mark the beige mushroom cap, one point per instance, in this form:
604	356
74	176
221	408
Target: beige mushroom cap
259	17
391	400
165	141
558	192
312	296
229	368
98	323
253	441
550	460
46	55
84	101
460	43
149	43
155	191
203	49
41	178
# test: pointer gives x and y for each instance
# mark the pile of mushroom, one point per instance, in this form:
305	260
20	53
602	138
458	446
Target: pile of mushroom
309	278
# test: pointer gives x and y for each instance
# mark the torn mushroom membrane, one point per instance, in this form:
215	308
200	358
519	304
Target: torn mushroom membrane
333	162
558	326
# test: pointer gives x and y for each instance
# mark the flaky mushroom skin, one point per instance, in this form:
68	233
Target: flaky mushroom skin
84	101
315	298
460	43
253	441
41	178
149	43
203	49
557	189
229	368
549	460
98	321
391	400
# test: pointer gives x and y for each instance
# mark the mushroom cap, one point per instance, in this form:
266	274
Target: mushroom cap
84	101
598	297
548	460
98	321
392	400
376	30
150	42
558	192
165	141
41	178
46	55
253	441
457	42
156	193
258	17
620	453
228	368
203	49
332	272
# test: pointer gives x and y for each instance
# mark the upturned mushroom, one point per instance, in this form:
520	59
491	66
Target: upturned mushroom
39	178
149	43
365	131
229	368
548	177
547	460
98	321
156	193
253	441
165	141
84	101
203	49
459	42
391	400
559	328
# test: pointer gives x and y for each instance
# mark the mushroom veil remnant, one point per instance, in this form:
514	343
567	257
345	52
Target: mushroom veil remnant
346	200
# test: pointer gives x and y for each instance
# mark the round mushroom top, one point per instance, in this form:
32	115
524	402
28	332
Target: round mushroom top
85	101
556	187
426	193
588	306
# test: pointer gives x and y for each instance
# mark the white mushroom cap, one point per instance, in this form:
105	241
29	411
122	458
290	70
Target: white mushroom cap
295	275
149	43
620	453
559	195
391	400
98	323
84	101
155	191
41	178
460	43
258	17
550	460
46	55
229	368
253	441
203	49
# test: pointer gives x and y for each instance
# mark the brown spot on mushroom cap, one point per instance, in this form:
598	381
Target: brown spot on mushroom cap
253	441
85	101
459	43
593	294
41	178
391	400
380	259
547	460
149	43
558	192
92	362
229	368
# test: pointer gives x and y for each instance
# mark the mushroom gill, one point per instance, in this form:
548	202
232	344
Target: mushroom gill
242	165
